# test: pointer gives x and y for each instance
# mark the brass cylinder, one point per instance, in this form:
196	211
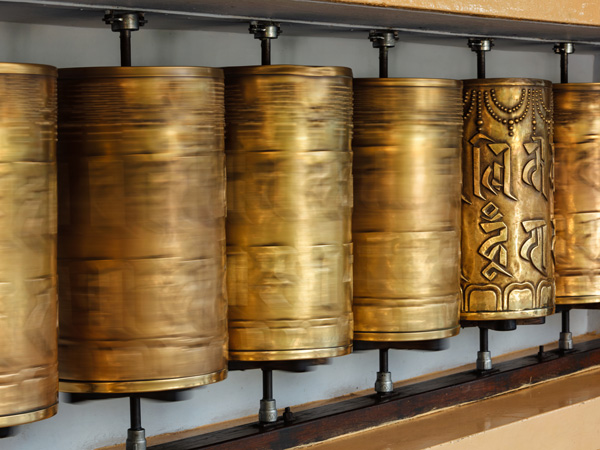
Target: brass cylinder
28	310
289	197
141	229
577	197
406	221
507	229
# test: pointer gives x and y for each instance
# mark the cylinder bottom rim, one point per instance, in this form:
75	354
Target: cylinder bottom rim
507	315
130	387
577	299
28	417
375	336
286	355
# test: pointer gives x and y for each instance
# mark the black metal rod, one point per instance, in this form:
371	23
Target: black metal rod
480	64
483	340
125	48
566	322
267	379
383	64
383	360
265	45
564	67
135	412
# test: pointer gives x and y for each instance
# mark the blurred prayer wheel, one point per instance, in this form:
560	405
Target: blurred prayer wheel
406	222
577	197
507	230
28	306
141	229
289	197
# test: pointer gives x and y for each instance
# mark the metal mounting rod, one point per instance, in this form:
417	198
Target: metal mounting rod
480	46
136	435
383	384
484	356
267	412
383	40
265	31
565	340
125	23
564	49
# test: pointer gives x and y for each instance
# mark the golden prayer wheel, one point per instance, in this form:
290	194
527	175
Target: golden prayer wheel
28	307
577	197
507	229
406	222
289	197
141	229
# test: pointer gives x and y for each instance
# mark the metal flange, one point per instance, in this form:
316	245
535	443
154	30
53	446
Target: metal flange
383	38
124	21
564	47
480	44
265	30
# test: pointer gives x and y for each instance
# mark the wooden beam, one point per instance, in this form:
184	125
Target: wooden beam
356	414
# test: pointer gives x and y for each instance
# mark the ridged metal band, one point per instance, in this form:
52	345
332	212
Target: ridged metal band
139	72
279	70
28	69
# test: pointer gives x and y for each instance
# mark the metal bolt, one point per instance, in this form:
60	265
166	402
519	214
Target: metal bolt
564	47
383	38
480	44
265	30
125	21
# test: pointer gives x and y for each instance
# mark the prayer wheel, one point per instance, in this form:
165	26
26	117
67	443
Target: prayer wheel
28	302
507	229
577	197
406	221
289	189
141	229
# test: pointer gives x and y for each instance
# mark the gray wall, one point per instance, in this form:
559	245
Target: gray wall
96	424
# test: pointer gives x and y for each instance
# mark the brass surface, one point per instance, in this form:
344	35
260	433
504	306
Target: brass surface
28	303
507	226
406	221
141	228
289	198
129	387
577	197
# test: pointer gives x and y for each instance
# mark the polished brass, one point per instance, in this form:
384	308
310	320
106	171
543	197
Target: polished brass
507	229
28	302
289	197
406	221
577	198
141	229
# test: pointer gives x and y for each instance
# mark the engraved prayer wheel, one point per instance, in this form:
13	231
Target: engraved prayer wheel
406	221
28	302
289	197
507	230
141	229
577	197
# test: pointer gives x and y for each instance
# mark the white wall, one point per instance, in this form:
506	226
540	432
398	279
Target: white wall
96	424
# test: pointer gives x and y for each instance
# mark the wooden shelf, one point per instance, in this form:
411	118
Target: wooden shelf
565	20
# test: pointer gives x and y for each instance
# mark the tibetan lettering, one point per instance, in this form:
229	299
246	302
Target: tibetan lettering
533	171
493	249
491	166
534	248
